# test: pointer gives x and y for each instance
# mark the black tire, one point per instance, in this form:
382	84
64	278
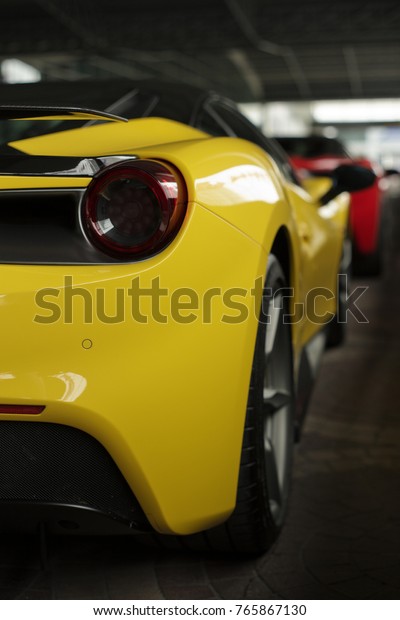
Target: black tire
337	329
369	264
268	440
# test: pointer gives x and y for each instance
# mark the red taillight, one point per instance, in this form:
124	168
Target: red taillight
22	409
134	209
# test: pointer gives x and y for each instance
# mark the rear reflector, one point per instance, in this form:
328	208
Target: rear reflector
22	409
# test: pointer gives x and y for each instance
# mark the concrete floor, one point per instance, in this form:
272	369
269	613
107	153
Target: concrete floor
342	534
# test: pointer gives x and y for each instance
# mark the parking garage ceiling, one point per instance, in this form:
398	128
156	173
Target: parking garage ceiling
281	50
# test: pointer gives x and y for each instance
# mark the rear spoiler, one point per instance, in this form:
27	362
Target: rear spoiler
26	112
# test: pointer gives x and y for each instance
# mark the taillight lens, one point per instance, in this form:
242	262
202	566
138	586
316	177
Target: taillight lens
134	209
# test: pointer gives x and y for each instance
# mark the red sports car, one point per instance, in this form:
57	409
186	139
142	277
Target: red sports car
321	155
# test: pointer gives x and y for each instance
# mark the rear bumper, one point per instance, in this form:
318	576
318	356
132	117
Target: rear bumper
166	400
61	476
29	517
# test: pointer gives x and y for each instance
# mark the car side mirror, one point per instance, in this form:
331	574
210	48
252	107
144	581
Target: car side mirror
390	172
348	178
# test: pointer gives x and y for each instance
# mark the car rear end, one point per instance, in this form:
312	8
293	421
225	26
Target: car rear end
118	414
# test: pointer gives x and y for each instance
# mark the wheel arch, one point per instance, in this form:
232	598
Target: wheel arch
281	248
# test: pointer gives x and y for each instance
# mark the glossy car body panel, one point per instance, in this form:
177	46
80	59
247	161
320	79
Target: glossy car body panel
167	399
147	392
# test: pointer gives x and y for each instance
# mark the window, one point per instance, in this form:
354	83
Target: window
228	121
210	123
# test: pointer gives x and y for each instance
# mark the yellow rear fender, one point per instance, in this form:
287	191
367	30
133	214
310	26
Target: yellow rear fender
166	399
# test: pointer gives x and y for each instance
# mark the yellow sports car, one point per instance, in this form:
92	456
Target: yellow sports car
167	287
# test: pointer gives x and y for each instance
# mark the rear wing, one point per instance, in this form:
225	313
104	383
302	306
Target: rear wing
46	113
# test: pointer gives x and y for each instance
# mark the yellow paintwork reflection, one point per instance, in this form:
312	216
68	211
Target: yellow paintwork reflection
237	185
74	385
